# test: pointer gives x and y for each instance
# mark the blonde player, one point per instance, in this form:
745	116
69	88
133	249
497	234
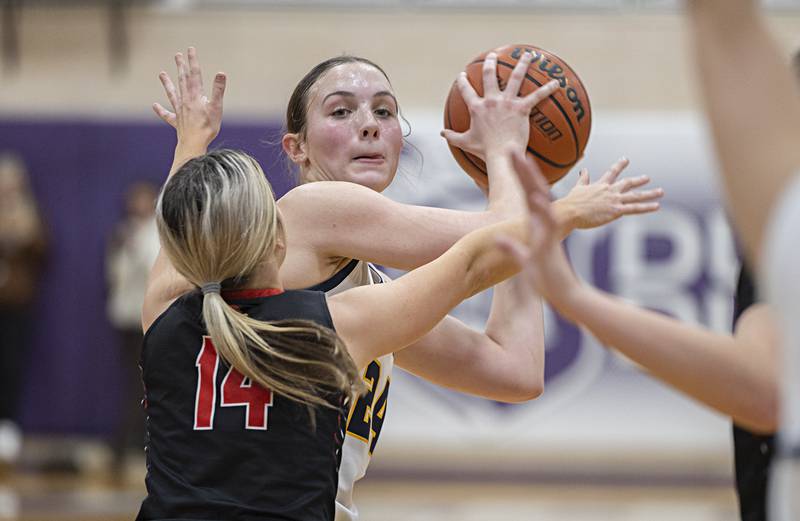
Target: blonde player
233	367
343	124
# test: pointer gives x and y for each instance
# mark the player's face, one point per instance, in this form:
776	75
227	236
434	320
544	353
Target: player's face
352	127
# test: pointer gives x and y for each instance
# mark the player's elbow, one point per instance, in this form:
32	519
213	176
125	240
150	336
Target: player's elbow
531	391
766	416
523	373
523	390
763	414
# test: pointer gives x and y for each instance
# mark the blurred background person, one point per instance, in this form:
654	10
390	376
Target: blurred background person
132	249
22	252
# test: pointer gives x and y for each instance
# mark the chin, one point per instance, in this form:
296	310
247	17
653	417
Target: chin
377	181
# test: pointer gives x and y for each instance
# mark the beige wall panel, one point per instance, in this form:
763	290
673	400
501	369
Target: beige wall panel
628	62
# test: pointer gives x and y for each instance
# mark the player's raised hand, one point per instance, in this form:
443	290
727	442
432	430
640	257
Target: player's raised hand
499	119
609	198
542	260
196	117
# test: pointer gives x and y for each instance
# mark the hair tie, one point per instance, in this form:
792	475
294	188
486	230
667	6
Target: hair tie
211	287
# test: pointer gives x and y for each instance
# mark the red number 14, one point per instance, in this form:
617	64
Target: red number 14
237	390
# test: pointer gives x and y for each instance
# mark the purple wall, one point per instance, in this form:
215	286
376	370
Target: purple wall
79	171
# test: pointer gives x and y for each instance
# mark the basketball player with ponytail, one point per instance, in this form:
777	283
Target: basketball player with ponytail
343	125
232	367
210	250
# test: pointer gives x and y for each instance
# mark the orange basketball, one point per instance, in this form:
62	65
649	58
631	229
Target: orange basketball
560	125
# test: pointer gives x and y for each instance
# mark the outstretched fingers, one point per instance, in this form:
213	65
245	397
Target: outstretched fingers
630	183
540	94
169	89
471	98
218	89
611	175
165	115
466	89
639	208
183	74
195	73
456	139
643	196
583	178
490	85
518	74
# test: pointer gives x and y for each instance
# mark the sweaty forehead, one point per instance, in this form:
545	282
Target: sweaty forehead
359	78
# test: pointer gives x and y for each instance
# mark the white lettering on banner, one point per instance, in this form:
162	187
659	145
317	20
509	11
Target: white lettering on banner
658	283
694	282
691	279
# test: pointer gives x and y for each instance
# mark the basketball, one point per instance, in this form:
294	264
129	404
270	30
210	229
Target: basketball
560	125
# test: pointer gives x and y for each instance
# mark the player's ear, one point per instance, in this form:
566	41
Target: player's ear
295	148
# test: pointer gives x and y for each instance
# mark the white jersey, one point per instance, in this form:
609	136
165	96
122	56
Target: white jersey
781	279
366	416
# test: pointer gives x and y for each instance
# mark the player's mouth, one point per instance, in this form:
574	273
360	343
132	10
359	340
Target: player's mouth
369	159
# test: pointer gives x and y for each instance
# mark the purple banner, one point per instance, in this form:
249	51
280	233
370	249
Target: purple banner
79	172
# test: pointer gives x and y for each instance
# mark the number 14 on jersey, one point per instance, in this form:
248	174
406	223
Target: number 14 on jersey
236	390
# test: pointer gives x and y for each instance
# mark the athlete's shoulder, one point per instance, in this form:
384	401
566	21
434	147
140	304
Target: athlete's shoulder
322	199
322	191
187	305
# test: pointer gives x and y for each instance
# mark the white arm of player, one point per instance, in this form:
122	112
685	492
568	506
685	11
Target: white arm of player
736	375
382	318
755	118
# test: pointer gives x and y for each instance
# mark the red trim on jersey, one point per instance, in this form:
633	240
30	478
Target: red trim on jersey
244	294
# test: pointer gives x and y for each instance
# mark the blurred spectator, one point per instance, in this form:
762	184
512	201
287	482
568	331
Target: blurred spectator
22	250
131	252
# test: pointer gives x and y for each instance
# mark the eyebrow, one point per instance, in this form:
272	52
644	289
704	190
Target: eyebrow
349	94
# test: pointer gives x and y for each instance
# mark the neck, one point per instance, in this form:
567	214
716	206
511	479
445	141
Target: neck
312	174
266	275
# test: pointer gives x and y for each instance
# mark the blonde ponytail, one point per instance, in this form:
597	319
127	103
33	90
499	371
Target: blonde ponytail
217	221
294	358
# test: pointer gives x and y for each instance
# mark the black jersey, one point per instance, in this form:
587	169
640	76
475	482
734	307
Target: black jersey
221	449
752	452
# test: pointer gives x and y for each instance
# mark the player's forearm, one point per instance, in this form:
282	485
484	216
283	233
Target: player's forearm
516	325
712	368
484	263
483	367
506	198
753	105
164	283
184	151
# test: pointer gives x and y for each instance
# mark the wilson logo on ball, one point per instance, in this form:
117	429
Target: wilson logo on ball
559	125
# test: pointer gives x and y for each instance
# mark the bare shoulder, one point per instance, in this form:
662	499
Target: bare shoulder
325	214
152	308
325	192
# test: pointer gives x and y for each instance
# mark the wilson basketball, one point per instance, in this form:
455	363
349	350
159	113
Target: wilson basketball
560	125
